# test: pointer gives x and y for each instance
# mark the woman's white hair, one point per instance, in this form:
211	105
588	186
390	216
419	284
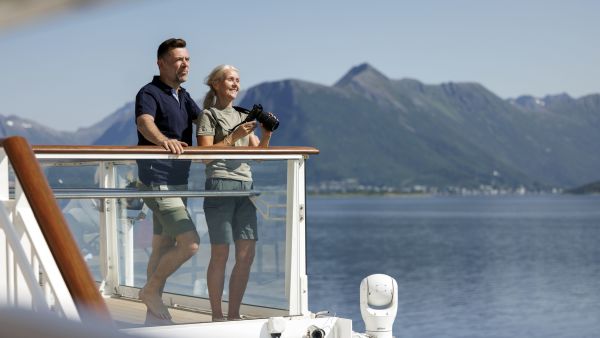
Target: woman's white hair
215	76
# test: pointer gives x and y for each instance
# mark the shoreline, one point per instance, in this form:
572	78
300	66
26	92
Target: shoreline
483	194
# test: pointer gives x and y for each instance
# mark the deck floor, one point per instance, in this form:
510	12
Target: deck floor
132	313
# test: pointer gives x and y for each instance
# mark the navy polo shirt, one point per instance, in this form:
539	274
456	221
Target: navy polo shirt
174	119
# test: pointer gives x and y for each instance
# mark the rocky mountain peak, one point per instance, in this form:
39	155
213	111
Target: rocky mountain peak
528	102
364	74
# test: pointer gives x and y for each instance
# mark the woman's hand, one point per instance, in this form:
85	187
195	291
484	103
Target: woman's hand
271	117
243	130
265	136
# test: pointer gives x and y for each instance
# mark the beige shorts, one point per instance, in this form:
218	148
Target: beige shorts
170	215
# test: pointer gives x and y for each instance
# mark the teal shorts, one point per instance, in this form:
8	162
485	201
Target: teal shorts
170	215
229	218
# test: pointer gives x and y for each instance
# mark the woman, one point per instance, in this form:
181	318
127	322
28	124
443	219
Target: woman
228	218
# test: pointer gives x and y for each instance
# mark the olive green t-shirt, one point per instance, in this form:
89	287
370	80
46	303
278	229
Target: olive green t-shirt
217	123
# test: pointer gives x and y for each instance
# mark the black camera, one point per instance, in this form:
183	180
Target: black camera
268	120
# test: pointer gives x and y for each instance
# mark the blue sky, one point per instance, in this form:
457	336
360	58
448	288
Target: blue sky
73	69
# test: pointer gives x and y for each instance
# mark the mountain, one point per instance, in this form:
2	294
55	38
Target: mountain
403	133
565	131
39	134
122	129
33	131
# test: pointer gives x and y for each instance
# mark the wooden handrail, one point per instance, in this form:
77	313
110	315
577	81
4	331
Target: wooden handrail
54	227
275	150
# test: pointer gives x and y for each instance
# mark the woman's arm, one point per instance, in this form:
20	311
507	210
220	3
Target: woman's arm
205	140
263	142
229	141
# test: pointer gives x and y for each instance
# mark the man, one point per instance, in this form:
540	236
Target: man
164	113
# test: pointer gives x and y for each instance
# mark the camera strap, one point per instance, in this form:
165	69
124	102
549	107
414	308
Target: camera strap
238	109
241	109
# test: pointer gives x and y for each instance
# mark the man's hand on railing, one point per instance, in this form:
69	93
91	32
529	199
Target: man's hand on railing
147	127
174	146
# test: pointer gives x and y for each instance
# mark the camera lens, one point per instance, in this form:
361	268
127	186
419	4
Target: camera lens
269	121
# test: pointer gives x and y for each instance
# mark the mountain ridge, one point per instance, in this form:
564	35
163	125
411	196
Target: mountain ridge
402	132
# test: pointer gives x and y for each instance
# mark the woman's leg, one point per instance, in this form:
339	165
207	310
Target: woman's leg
215	277
244	256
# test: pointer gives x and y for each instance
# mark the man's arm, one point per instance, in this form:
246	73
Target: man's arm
147	127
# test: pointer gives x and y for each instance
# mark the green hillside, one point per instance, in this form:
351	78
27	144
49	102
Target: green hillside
403	133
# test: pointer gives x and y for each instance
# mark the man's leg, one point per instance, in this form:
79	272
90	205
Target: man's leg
215	278
244	256
187	245
160	245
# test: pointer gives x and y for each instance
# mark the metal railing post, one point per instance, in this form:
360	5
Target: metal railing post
295	268
109	248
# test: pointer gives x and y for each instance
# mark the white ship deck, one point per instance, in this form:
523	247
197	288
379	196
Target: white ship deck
128	313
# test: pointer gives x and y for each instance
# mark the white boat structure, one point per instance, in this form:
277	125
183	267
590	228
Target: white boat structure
74	249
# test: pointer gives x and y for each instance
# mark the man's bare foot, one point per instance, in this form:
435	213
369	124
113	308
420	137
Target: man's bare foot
152	320
154	304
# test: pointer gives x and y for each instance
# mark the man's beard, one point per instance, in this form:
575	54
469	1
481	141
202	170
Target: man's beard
180	78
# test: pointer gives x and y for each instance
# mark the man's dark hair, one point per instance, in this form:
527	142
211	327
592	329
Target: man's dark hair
169	44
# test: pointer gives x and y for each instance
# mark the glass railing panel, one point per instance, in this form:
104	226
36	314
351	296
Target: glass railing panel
134	227
82	215
83	218
65	174
266	286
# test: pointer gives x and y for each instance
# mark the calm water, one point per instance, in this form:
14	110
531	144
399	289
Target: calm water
465	266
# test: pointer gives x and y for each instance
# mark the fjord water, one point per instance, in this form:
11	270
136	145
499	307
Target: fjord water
478	266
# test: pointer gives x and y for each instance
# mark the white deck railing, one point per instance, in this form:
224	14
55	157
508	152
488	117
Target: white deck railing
24	247
30	278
